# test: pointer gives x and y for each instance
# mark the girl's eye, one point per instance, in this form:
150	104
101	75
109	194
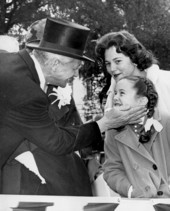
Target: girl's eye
122	93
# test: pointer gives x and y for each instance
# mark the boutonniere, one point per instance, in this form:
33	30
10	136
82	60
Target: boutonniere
151	121
63	95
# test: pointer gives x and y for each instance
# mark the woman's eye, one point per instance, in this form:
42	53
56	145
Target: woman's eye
107	64
117	61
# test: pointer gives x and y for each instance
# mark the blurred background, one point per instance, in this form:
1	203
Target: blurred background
148	20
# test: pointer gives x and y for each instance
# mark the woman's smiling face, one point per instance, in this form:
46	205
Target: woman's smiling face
118	65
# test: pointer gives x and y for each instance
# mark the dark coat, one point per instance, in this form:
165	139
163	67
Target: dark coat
24	114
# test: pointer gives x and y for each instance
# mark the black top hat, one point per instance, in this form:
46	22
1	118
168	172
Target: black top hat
63	37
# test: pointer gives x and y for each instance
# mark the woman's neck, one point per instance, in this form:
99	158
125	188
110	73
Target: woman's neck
140	73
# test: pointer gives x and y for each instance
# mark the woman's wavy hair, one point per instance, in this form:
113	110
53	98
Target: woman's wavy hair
145	88
127	44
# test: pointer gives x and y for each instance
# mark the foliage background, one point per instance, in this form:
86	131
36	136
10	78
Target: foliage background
148	20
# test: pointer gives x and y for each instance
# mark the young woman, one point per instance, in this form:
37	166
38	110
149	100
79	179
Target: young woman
137	156
122	54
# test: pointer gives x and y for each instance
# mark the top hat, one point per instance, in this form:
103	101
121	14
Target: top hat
64	38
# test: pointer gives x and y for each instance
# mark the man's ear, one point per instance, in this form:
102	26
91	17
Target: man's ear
143	100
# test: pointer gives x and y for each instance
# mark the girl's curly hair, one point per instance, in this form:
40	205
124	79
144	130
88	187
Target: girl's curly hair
145	88
127	44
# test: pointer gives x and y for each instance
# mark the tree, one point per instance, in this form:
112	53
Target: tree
149	21
15	12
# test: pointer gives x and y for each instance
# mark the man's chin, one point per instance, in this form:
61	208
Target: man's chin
62	84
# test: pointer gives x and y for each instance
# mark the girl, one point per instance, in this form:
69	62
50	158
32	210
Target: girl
137	156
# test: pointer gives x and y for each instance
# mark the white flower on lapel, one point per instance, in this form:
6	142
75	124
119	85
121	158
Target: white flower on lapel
63	95
151	121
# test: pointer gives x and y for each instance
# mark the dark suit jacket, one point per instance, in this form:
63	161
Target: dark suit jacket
24	113
64	175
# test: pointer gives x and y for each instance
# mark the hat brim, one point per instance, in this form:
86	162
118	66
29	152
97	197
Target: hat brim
35	45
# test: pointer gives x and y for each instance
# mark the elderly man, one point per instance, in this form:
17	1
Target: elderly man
24	106
23	167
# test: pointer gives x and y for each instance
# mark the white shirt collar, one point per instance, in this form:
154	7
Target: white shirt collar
40	74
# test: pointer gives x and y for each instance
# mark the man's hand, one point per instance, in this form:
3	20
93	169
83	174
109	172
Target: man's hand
117	117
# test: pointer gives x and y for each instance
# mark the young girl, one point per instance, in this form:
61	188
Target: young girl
138	156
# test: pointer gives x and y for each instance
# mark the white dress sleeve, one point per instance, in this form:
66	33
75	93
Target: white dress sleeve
110	95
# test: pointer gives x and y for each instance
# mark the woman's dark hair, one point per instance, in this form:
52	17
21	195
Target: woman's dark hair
145	88
127	44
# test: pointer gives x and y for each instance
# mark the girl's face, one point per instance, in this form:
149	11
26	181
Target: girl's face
118	65
126	94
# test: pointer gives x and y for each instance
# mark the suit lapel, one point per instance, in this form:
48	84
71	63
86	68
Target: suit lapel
26	57
129	138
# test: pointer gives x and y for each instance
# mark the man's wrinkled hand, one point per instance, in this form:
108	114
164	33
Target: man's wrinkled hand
117	117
